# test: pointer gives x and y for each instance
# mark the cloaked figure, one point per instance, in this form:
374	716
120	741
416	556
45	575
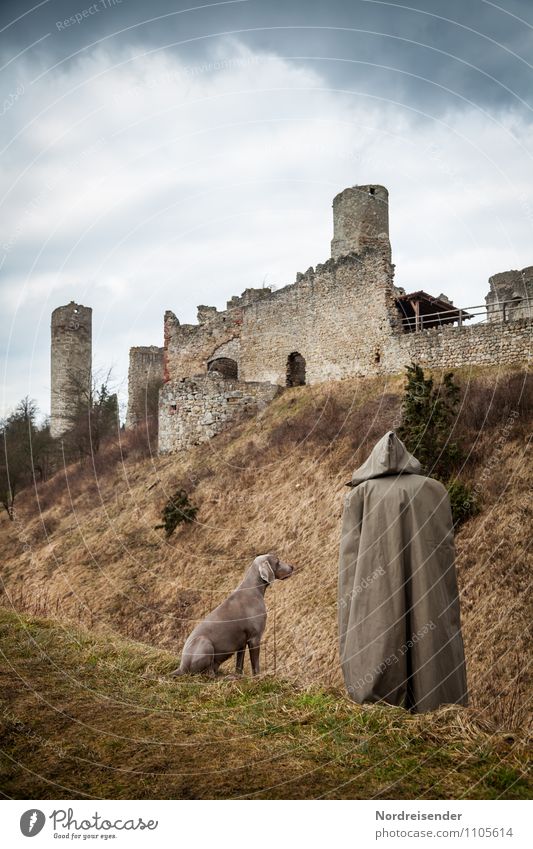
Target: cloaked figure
399	624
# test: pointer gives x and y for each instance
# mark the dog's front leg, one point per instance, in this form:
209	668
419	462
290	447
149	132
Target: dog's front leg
254	646
239	661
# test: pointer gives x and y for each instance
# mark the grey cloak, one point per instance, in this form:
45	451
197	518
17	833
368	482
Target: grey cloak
399	627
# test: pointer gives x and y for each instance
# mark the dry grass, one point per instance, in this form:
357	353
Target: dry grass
276	482
86	715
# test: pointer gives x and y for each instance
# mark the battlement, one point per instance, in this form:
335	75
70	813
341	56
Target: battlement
249	296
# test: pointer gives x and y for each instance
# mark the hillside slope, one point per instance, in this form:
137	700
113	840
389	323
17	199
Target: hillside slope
96	716
83	546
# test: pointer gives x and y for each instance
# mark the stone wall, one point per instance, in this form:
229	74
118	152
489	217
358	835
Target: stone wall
455	347
338	316
189	347
193	410
229	350
71	360
145	374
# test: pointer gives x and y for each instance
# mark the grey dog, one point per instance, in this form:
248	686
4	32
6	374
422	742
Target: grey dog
236	623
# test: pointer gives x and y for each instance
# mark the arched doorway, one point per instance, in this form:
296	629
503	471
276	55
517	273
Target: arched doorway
225	366
295	369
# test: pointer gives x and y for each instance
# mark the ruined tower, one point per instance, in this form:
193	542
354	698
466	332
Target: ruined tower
360	220
511	295
145	376
71	355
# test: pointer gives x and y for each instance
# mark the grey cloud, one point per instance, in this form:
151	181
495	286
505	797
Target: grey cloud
476	50
189	173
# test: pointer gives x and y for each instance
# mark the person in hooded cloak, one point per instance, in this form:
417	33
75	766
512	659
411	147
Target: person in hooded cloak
398	607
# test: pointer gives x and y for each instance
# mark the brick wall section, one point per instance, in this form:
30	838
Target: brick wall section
71	357
145	367
194	410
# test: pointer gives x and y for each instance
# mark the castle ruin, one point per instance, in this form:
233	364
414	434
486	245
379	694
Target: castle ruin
343	318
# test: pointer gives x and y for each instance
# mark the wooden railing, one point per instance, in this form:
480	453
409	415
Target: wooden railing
460	315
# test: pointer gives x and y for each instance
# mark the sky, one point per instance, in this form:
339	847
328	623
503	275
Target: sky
163	155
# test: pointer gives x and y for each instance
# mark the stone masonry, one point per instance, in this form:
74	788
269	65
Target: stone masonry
196	409
145	373
360	219
511	295
337	320
451	347
71	357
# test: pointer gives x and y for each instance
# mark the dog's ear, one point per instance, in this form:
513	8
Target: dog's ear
266	572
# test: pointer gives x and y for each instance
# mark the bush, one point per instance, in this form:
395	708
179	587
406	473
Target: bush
463	502
428	417
178	509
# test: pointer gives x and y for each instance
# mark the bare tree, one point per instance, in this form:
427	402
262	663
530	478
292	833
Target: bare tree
92	415
25	452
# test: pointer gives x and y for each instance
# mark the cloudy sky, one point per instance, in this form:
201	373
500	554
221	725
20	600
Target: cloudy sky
162	155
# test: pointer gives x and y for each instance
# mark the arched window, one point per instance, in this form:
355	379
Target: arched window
225	366
295	369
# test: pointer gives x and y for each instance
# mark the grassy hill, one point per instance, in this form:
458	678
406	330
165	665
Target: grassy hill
86	715
83	551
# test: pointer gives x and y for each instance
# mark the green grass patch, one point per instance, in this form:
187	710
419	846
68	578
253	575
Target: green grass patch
92	714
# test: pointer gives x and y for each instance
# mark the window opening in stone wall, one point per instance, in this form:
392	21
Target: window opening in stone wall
372	191
295	370
225	366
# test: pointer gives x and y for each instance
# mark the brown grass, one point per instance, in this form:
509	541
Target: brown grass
277	482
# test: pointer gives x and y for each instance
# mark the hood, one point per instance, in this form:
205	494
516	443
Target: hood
389	457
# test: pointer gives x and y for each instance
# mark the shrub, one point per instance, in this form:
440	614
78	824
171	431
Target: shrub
428	417
463	501
178	509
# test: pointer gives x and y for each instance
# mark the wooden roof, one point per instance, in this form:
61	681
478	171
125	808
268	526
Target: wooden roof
432	311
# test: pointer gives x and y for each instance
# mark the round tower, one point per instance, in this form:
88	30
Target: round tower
360	219
71	356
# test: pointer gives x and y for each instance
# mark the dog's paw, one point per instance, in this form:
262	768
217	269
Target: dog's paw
177	672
